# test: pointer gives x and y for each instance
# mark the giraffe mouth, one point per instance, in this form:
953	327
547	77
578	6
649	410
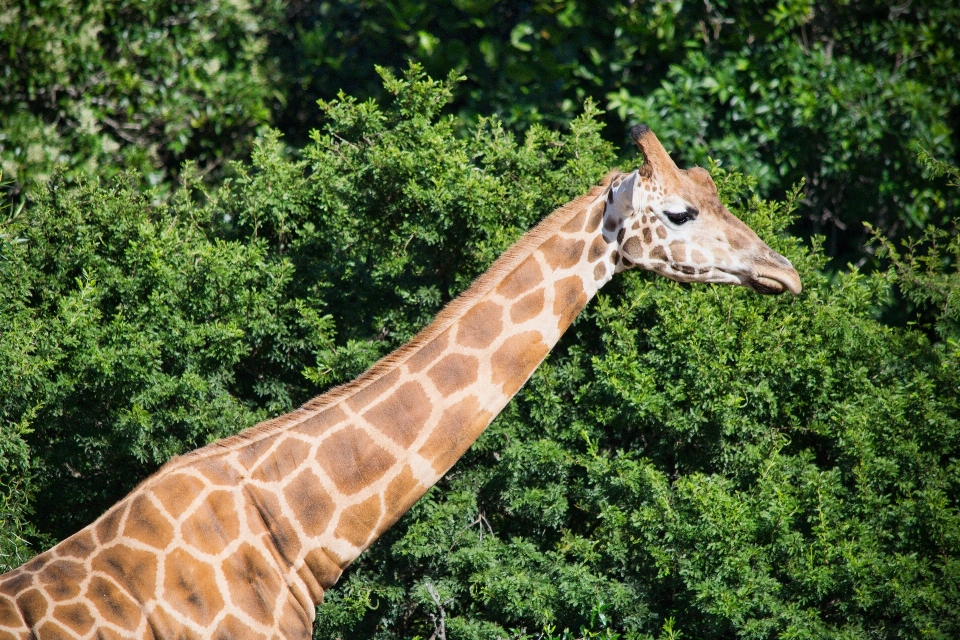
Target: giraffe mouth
773	274
775	284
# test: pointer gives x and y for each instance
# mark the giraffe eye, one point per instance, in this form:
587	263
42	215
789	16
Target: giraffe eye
682	217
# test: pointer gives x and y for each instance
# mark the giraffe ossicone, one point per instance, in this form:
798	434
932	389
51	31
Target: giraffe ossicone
241	538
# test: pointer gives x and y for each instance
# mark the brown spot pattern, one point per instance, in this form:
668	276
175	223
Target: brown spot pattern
678	251
61	579
597	248
79	545
50	630
217	472
357	523
254	585
231	628
373	391
599	271
562	253
213	525
146	524
516	359
633	247
106	633
165	626
568	299
283	537
324	567
428	353
402	414
37	562
288	456
737	239
190	587
596	217
526	276
176	492
453	373
253	450
311	505
481	325
352	460
320	423
647	236
76	617
527	307
108	526
15	582
697	257
661	232
9	614
459	426
401	493
293	623
136	570
33	605
657	253
575	223
113	604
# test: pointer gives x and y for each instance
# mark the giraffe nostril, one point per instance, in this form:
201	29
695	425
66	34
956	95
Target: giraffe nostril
776	257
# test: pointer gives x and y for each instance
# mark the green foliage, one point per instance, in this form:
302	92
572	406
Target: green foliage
690	462
16	481
98	85
834	94
748	466
926	273
389	215
131	334
140	329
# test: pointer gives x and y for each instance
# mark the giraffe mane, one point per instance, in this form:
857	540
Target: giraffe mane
503	265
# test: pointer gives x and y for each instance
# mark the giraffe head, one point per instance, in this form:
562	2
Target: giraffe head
671	221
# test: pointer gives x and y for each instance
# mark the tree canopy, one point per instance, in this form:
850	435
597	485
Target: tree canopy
838	95
691	461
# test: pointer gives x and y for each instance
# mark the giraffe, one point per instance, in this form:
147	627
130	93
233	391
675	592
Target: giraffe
241	538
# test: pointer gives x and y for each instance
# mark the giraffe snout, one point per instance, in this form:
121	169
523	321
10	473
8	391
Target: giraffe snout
776	257
775	274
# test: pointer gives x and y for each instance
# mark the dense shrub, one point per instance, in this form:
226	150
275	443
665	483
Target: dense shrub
98	85
832	93
691	461
136	328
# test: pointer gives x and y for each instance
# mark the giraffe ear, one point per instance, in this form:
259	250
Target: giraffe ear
625	197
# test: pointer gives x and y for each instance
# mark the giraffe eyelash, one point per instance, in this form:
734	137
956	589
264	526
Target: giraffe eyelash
682	217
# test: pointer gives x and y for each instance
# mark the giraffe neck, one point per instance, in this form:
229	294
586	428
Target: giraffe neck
241	538
347	465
